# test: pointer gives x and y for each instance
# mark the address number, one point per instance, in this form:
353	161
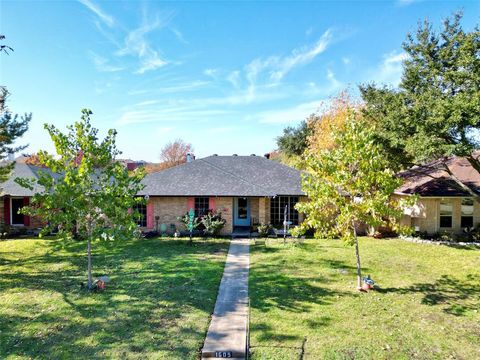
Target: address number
223	354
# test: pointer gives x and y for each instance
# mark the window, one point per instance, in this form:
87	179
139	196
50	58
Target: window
467	213
142	210
277	208
242	208
17	204
202	206
446	210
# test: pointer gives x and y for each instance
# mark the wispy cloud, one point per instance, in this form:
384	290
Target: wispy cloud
301	56
137	44
179	35
289	115
211	72
234	78
222	129
390	70
273	69
102	64
169	114
406	2
104	17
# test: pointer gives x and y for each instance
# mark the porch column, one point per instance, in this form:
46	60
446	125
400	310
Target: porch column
262	210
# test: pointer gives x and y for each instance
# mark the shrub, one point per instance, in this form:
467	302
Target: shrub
444	236
212	223
185	220
423	235
263	229
472	234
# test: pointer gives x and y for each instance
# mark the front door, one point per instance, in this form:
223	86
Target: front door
242	212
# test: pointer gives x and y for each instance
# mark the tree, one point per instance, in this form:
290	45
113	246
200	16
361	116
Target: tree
12	127
86	191
175	153
293	142
347	185
4	48
333	118
435	112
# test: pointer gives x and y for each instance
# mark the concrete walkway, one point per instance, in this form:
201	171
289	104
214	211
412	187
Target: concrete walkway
227	333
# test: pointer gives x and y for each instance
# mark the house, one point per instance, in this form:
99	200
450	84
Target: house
13	197
247	190
443	205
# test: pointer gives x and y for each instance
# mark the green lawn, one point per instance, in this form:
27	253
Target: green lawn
427	305
157	305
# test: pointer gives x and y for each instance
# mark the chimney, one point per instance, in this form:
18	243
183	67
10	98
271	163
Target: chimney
267	156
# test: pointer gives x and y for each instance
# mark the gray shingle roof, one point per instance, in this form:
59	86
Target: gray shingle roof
225	176
21	170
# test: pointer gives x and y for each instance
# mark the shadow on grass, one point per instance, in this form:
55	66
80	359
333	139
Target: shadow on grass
458	296
157	284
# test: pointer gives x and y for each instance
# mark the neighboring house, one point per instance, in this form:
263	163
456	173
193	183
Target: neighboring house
13	197
247	190
443	205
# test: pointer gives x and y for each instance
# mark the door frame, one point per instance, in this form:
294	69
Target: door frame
11	211
241	222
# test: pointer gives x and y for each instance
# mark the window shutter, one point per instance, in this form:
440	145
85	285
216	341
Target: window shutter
150	215
190	203
26	219
6	210
211	204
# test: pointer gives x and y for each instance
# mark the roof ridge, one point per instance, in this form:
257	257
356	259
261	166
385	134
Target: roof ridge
233	174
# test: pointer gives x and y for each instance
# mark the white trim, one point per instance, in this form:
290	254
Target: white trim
11	211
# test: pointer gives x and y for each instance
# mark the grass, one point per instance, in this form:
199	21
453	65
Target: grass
157	305
304	303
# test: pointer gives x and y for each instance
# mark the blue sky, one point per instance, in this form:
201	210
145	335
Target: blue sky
224	76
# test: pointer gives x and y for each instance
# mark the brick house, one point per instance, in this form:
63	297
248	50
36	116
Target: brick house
13	197
247	190
443	205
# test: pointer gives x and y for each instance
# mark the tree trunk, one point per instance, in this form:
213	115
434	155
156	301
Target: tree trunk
357	254
89	256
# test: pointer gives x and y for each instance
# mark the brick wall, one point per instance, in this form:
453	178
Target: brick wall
255	210
429	220
168	209
225	206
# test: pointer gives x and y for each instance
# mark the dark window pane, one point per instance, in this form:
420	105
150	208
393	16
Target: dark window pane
242	208
277	209
142	210
201	206
467	222
445	221
17	218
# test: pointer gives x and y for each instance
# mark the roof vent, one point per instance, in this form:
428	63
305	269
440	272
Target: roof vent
234	155
215	155
252	154
267	156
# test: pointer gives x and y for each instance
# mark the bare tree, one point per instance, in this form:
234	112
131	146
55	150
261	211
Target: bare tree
175	153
